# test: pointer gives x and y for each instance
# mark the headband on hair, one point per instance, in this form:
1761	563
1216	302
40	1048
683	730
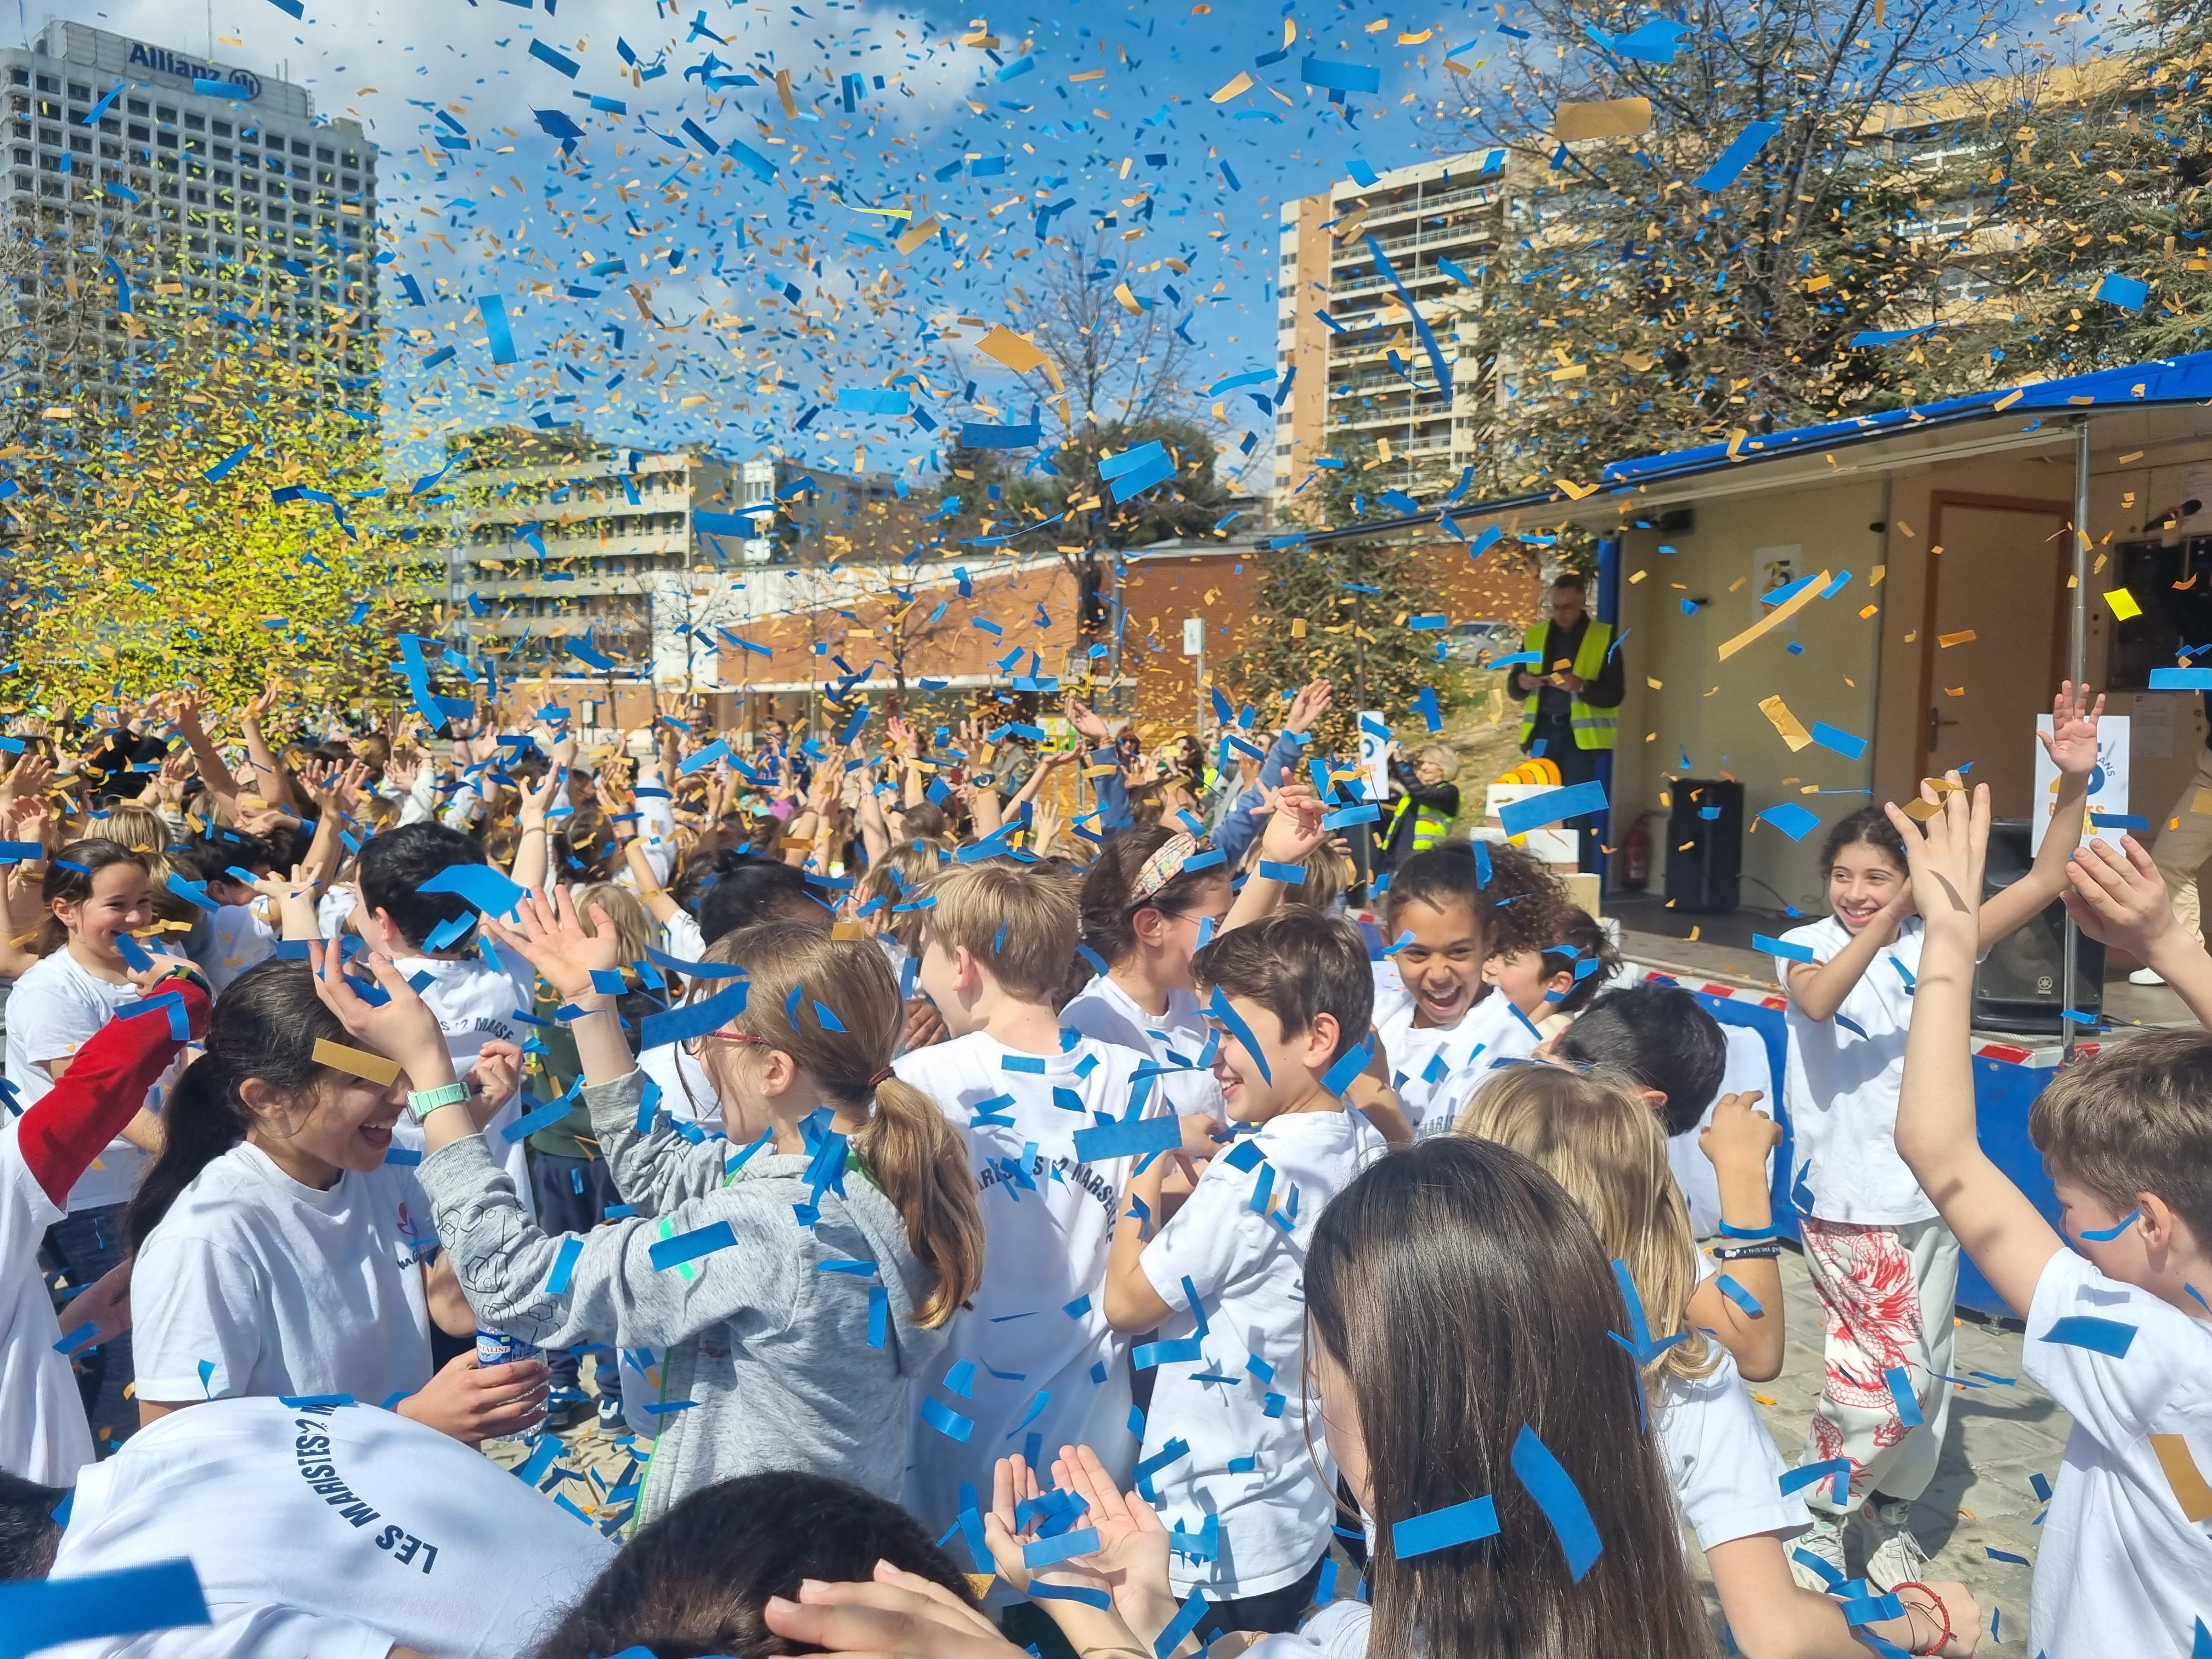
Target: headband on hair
1163	866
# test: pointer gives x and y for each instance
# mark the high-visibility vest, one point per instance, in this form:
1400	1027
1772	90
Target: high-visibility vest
1431	827
1593	728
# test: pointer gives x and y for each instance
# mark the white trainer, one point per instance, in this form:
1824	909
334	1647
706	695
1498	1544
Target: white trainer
1897	1556
1824	1544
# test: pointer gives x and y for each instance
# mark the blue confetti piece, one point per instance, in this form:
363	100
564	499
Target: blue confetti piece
70	1341
2107	1234
497	334
1552	806
40	1614
1188	1618
1775	947
1556	1494
1742	1298
879	1315
2040	1486
1996	1555
1128	1138
689	1247
1902	1395
946	1421
1049	1552
961	1379
2105	1336
564	1266
1791	820
1440	1529
1819	1568
1837	1471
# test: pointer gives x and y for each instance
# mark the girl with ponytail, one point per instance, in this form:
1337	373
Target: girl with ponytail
799	1284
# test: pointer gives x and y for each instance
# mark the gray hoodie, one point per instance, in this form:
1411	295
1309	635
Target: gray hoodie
767	1340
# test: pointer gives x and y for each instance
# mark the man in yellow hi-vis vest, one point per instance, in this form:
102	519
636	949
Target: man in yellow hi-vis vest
1573	691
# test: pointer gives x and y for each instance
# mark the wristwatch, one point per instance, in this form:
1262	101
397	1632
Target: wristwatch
421	1102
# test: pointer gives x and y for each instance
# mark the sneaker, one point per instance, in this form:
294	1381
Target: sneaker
1823	1544
1897	1556
611	1412
2145	977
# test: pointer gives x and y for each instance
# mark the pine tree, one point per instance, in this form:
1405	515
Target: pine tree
1338	612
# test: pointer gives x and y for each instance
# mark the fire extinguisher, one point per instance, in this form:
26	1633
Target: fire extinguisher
1637	855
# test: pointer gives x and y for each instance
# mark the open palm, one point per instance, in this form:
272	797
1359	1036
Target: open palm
2072	743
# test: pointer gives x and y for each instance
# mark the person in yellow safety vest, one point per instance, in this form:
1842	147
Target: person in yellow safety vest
1572	690
1427	802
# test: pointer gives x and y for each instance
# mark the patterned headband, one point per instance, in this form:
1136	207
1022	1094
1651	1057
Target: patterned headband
1163	868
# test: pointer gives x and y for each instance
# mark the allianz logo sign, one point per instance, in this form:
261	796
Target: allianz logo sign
161	61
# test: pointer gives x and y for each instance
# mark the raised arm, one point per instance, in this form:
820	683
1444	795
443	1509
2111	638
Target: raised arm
1819	988
214	771
2118	897
2004	1233
2072	745
1293	834
275	783
1737	1141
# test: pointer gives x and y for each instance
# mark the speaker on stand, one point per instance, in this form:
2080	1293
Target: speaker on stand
1705	843
2017	986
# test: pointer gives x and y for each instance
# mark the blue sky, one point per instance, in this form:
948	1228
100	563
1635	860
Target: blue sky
507	214
478	199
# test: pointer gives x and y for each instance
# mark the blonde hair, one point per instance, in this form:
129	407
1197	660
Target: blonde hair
633	925
1594	1135
137	826
897	879
1020	921
911	1150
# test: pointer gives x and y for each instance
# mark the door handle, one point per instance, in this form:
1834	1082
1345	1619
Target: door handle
1936	725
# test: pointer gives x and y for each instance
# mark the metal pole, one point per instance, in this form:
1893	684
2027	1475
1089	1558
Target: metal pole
2077	666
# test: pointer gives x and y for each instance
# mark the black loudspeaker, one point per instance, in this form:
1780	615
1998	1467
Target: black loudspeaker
1704	844
2017	987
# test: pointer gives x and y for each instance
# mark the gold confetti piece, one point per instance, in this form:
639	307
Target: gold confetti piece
1780	614
1637	576
1763	1400
2123	603
1618	118
1653	684
2190	1488
1242	83
1694	929
1792	730
1575	491
2201	801
1416	39
1866	611
356	1062
783	94
1963	636
1955	690
2132	455
914	238
1129	299
981	1583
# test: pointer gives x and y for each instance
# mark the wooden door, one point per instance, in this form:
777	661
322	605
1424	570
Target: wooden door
2000	578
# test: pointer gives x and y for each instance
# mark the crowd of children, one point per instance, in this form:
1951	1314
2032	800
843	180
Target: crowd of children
1007	1228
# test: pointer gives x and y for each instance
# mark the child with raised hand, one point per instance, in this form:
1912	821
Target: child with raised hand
1884	1263
278	1252
1439	1023
1223	1279
1593	1133
799	1284
2117	1329
2118	898
1038	1359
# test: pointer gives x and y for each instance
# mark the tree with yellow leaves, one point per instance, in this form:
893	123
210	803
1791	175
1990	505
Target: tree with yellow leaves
221	528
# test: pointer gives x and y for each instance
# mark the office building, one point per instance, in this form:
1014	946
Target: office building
202	183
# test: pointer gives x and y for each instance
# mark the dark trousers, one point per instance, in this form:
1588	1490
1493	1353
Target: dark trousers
84	1246
572	1196
1276	1611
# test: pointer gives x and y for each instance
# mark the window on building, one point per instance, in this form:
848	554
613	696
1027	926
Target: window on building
48	83
299	148
136	105
222	129
166	113
195	123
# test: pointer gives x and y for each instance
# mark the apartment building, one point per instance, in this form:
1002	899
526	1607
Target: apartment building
1340	321
201	181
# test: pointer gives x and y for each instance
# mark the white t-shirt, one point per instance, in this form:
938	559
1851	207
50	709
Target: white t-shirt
1047	1227
475	1003
1339	1631
1252	1469
336	1531
279	1289
333	910
54	1008
1435	1069
1721	1462
2122	1569
1842	1086
686	1093
1105	1012
242	940
1747	1069
43	1433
